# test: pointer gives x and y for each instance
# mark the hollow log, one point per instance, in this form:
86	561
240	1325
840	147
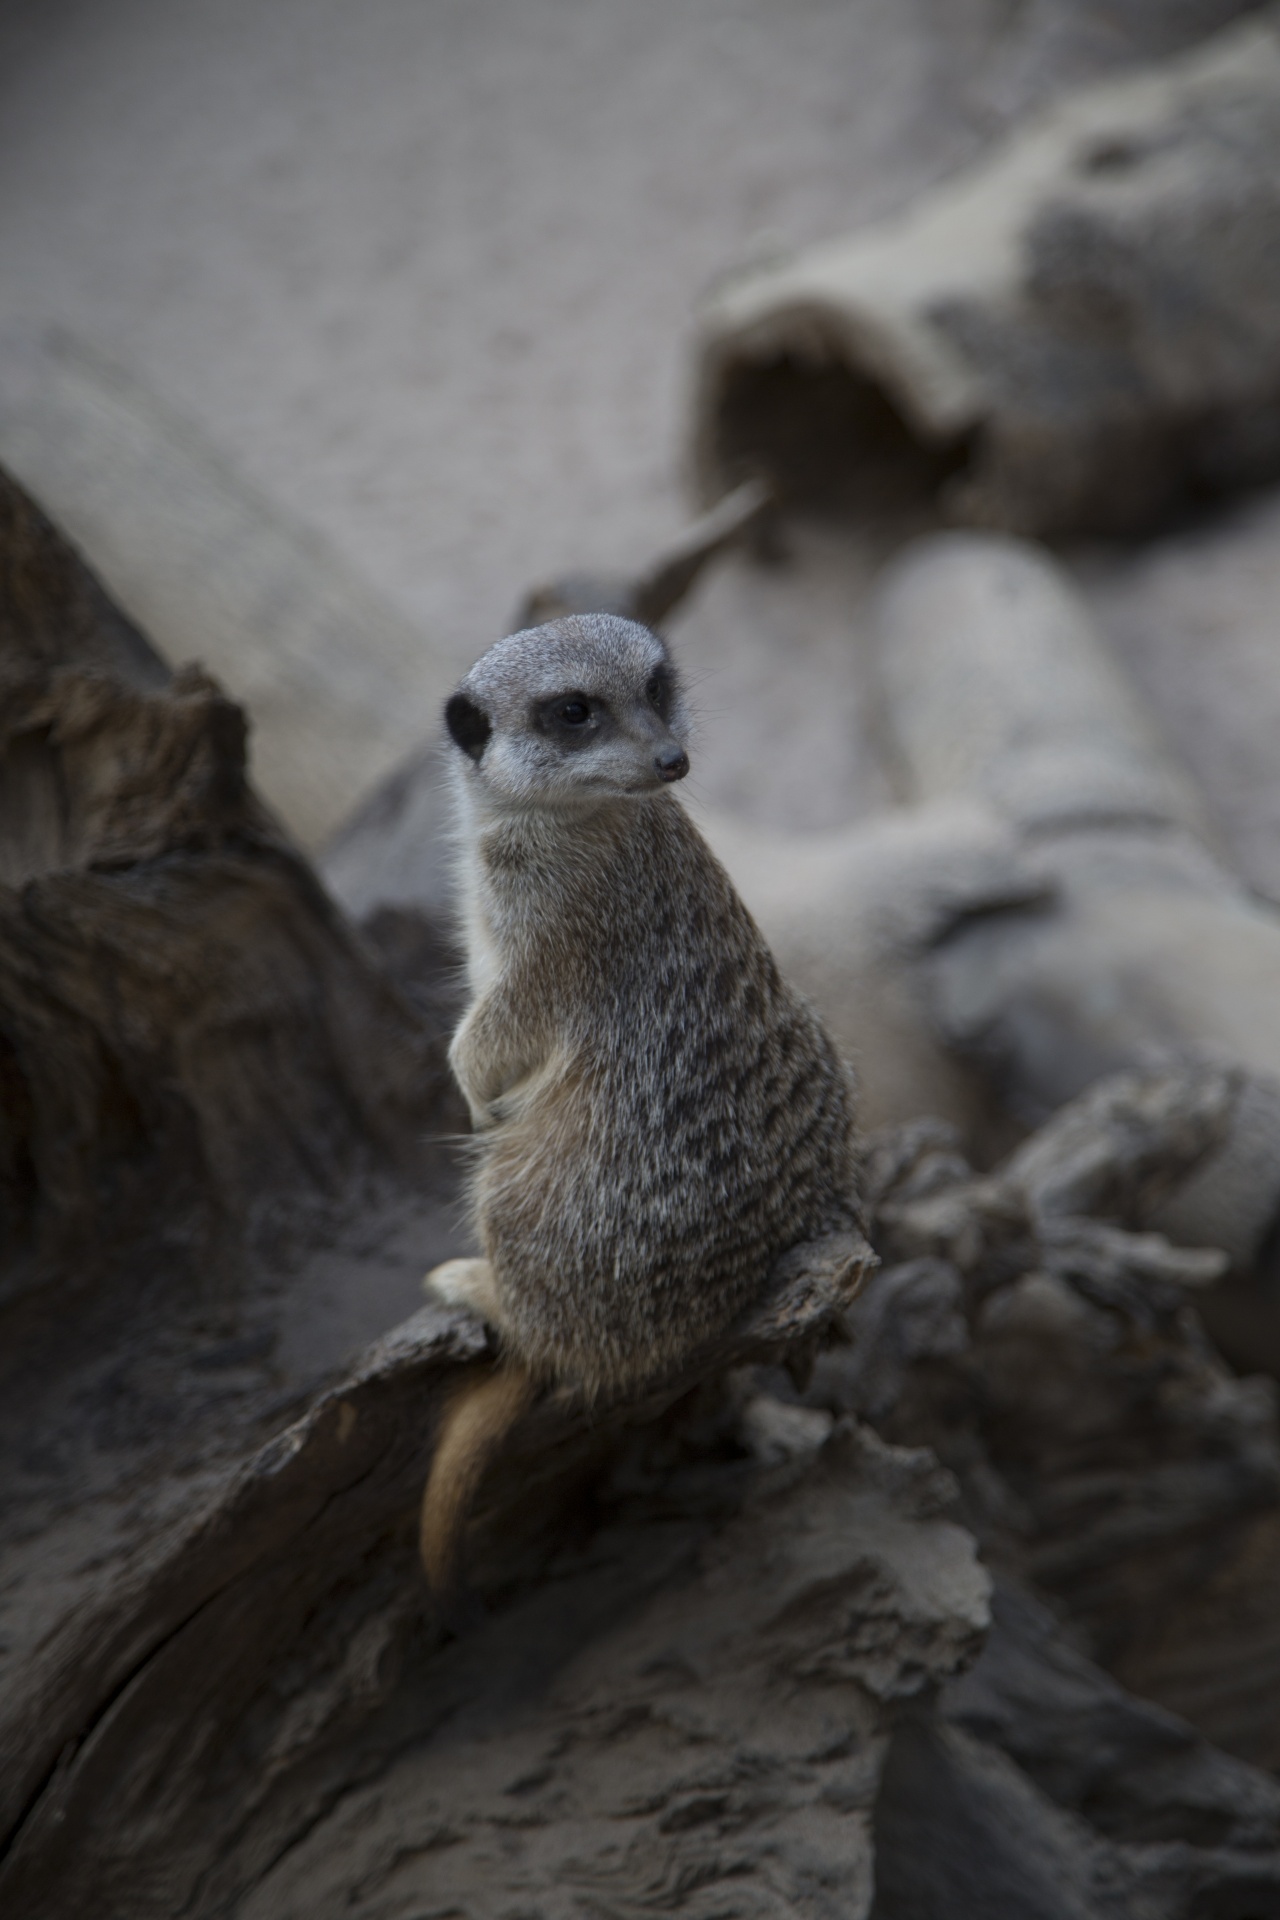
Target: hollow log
1078	332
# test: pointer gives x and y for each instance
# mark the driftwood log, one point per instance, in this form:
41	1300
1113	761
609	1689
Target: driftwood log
733	1661
999	693
1079	332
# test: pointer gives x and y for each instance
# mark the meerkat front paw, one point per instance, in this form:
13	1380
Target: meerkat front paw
466	1283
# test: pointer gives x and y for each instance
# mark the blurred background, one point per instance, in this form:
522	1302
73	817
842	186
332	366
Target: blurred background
421	276
328	332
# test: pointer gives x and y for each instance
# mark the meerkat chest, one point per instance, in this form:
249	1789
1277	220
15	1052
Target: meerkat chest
520	944
480	933
569	923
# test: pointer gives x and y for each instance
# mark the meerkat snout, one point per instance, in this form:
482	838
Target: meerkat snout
672	763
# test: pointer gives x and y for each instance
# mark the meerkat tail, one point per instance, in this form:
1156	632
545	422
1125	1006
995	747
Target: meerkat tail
475	1424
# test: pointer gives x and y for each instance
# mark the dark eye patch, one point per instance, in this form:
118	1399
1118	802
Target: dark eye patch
468	724
658	691
571	715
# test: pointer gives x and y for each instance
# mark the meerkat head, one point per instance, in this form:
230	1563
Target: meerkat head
583	710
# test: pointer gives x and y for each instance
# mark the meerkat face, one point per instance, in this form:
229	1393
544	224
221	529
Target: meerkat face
583	710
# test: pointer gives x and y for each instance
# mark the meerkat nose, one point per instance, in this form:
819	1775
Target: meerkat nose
672	763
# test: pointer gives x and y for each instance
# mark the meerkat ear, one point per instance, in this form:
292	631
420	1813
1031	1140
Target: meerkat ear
468	724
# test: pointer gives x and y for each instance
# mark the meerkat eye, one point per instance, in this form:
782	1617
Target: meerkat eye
658	691
565	715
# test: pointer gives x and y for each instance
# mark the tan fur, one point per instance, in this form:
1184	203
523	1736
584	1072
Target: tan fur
657	1115
475	1423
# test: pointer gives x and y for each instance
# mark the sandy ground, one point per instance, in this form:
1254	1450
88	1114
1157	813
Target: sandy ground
425	270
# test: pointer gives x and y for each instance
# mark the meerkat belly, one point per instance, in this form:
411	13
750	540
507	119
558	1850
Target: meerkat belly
662	1117
628	1220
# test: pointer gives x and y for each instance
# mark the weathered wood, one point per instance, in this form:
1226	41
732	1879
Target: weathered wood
189	1030
1000	694
712	1611
1078	332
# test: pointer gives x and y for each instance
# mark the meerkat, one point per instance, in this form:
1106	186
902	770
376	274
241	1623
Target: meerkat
657	1116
